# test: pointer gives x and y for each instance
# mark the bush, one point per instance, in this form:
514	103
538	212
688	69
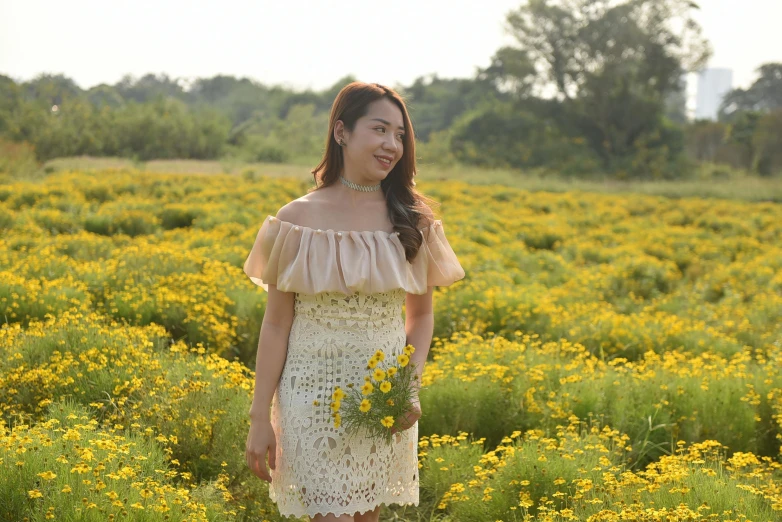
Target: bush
17	160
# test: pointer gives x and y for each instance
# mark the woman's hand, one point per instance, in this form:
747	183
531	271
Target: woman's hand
261	441
406	420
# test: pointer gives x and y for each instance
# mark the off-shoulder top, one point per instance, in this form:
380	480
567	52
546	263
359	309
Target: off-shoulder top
305	260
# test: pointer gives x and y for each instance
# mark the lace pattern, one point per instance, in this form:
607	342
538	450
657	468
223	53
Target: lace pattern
320	469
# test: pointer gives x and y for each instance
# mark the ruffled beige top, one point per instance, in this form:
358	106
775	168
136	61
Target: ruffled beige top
308	261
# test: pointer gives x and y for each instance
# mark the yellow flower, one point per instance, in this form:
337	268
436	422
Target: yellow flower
403	360
367	388
379	374
392	371
47	475
365	405
390	402
387	421
372	363
337	420
335	405
316	403
385	386
409	349
34	493
379	355
338	394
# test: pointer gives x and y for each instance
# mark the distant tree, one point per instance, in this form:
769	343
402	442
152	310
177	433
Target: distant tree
435	103
512	71
10	100
328	96
767	142
150	87
676	103
239	99
167	128
608	69
499	135
741	130
302	131
105	95
704	139
50	89
764	95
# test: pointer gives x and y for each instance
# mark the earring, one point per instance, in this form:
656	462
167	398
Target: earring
341	142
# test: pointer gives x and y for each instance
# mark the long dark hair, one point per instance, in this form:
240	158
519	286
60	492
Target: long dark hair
405	204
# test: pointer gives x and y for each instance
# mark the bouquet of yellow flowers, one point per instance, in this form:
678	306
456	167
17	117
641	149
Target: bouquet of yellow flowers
377	405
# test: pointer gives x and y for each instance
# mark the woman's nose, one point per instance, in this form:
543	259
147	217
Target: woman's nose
393	145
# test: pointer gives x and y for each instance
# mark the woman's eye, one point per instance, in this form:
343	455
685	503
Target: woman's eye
400	136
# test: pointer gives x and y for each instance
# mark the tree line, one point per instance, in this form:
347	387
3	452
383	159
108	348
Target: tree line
589	87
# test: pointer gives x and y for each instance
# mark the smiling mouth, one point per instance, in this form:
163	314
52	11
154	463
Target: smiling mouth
383	162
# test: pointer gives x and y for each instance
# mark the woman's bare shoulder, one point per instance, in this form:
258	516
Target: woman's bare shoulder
303	209
292	211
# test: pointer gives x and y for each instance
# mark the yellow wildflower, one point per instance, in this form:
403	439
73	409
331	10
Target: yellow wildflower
367	388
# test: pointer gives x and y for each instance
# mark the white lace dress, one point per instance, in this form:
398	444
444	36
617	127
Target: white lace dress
350	287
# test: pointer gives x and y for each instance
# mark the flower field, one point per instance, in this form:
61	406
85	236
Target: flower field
607	357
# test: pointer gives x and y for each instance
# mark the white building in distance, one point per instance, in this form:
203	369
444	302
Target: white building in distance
713	84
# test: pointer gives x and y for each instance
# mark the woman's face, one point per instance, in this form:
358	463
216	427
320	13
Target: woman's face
376	137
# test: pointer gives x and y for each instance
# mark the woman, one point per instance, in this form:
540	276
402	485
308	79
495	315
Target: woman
338	264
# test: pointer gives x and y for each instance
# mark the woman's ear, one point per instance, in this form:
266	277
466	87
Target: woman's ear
339	130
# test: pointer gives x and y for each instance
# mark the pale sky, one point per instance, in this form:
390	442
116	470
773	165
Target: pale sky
310	43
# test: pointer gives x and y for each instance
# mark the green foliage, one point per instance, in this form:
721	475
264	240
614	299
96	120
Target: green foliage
17	160
178	216
164	128
767	143
764	95
590	90
749	140
501	135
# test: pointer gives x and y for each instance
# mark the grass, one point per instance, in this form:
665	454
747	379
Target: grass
737	186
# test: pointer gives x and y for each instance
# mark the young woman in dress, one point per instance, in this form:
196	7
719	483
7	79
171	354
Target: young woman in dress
338	264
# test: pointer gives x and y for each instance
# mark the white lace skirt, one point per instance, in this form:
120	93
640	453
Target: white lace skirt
320	469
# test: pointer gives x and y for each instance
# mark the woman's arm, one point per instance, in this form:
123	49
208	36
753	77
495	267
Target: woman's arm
272	350
419	327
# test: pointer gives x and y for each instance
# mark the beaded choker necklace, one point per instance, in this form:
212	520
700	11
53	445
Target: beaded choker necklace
356	186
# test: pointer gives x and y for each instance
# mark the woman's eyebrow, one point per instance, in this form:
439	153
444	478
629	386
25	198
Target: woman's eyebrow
386	122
